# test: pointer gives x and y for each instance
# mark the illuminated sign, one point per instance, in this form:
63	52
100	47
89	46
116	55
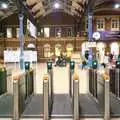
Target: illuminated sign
90	44
96	35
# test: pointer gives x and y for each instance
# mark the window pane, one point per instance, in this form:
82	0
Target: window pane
100	24
46	32
9	32
115	24
17	32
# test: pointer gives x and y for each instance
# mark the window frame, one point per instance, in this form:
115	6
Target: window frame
117	24
9	36
101	23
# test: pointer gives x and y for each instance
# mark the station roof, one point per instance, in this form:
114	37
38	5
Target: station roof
43	7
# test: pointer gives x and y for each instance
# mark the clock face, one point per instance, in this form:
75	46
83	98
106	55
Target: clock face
96	35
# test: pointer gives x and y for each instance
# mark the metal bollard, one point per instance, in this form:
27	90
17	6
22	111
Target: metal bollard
46	97
76	98
107	98
15	100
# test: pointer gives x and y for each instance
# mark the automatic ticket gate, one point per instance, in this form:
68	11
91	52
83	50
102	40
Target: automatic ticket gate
22	92
49	97
115	81
99	88
115	92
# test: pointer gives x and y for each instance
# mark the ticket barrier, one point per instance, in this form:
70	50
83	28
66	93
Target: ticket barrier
103	95
100	90
115	81
48	97
3	80
112	80
93	82
71	72
22	92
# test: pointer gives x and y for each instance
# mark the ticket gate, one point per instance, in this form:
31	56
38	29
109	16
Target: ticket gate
22	92
52	102
3	80
115	92
115	81
5	97
99	89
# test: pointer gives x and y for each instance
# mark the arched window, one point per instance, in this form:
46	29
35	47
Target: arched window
101	52
46	50
69	49
58	49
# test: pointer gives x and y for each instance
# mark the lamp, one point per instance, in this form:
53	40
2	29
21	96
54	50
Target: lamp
4	5
56	5
117	6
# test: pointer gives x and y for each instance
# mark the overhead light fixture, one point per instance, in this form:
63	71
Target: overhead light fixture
56	5
117	6
4	5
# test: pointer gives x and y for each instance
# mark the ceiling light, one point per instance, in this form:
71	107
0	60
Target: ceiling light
117	6
56	5
4	5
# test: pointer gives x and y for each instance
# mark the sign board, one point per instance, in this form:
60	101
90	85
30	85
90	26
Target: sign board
32	29
14	56
96	35
90	44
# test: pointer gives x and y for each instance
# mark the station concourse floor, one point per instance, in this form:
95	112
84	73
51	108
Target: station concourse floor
60	86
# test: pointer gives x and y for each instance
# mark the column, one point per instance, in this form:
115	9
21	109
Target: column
21	39
90	24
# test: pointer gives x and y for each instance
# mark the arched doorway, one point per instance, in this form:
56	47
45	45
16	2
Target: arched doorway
69	50
84	48
47	51
100	54
114	48
58	50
